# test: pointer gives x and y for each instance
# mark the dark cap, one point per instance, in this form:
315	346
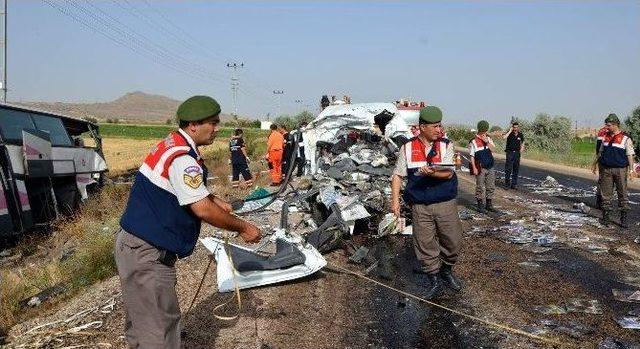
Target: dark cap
198	108
430	115
612	119
483	126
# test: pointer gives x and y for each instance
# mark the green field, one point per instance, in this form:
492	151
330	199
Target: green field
161	131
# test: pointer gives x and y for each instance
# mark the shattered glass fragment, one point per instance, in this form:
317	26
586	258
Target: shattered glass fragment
589	306
630	322
550	309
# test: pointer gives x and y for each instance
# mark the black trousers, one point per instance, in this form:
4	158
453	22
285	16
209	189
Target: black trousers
511	168
300	162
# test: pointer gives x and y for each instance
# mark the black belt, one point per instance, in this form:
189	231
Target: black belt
167	258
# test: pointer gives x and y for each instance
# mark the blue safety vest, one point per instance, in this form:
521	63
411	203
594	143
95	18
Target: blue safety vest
481	153
153	212
614	153
425	189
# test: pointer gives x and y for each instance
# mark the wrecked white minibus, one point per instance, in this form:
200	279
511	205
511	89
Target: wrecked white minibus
45	166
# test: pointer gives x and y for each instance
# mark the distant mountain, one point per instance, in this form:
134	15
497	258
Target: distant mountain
138	107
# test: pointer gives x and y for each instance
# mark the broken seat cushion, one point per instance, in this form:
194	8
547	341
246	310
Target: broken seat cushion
287	255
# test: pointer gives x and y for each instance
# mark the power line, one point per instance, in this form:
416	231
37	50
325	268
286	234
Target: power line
65	11
198	45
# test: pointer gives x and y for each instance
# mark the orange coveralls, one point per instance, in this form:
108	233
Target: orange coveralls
275	144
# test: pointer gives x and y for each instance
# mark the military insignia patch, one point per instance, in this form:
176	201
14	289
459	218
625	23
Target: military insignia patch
193	176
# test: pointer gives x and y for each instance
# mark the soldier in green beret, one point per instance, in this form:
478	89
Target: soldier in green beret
427	163
615	161
161	224
481	152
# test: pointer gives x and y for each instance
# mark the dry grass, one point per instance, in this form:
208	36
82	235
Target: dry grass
87	242
124	155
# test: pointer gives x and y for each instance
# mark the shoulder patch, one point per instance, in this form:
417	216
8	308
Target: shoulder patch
193	176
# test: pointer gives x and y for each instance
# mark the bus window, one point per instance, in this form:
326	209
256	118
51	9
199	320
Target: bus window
12	122
54	126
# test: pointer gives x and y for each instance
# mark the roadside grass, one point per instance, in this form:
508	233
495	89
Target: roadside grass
78	253
157	132
582	153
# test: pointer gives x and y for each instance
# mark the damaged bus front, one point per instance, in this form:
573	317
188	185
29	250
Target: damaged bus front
45	167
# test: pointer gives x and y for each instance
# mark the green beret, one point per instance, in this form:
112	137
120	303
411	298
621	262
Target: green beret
612	119
198	108
483	126
430	115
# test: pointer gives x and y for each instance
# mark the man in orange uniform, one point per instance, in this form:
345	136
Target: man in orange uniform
275	145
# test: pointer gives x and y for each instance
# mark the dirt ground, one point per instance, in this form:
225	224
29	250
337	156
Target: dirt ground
335	310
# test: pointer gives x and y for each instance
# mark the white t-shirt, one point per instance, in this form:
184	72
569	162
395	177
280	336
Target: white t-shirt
187	179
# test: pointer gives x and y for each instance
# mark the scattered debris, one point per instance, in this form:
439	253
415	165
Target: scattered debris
588	306
614	343
630	322
42	296
626	296
359	255
551	309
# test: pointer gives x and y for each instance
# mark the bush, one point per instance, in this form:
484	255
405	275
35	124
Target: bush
169	122
548	134
90	119
632	124
292	122
459	134
495	128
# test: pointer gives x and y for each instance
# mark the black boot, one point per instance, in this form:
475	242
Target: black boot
434	289
624	222
490	207
446	272
605	218
481	207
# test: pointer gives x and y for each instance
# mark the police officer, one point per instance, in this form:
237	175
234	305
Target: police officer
300	161
616	163
161	224
239	160
437	230
480	150
515	146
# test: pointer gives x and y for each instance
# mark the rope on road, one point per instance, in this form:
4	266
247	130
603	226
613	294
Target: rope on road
457	312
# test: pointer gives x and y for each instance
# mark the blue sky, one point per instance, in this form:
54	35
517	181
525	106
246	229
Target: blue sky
479	59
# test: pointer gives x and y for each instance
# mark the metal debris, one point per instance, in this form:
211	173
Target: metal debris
632	296
629	322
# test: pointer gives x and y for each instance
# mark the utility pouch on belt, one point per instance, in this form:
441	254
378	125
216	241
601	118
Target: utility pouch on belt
167	258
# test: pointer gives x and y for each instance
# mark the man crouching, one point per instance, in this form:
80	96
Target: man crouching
432	191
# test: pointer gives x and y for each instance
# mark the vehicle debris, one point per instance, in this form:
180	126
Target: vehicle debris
239	266
629	322
614	343
632	296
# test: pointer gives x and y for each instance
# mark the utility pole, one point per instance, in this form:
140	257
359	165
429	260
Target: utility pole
279	94
234	85
4	54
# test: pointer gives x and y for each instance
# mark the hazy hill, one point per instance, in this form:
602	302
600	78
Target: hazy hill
136	107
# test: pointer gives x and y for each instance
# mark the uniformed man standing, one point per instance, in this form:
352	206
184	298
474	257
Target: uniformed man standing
161	223
602	133
481	152
286	150
514	148
432	191
275	145
616	163
239	160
